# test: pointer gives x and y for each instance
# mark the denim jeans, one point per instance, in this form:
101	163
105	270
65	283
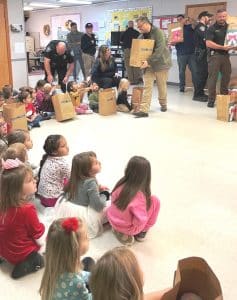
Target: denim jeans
184	61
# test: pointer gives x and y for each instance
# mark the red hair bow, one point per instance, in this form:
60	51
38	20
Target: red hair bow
70	224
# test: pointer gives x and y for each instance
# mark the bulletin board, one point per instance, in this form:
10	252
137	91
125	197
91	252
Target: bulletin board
61	25
163	21
117	20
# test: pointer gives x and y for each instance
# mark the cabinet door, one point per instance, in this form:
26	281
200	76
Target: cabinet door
5	62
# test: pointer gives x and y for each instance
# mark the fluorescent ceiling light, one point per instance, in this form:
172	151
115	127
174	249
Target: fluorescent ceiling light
27	8
75	1
41	4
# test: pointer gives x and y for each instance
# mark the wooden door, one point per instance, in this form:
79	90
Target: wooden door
193	11
5	61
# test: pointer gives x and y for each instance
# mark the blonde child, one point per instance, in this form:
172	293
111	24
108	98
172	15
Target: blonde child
86	199
17	150
63	277
122	99
54	169
117	275
21	233
133	209
77	92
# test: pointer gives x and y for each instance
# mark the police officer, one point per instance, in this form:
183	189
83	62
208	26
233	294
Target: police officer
57	56
218	56
201	55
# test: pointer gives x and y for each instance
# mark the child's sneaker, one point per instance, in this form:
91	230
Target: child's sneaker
140	237
127	240
88	111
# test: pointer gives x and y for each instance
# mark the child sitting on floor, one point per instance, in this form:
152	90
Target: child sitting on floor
85	198
33	118
133	209
77	92
93	97
65	275
21	232
122	99
44	92
54	169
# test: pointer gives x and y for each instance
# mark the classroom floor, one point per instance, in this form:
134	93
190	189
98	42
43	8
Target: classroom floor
193	159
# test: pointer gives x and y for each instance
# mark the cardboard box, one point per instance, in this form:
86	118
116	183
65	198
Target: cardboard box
63	107
141	50
175	33
15	116
226	106
107	102
137	93
194	275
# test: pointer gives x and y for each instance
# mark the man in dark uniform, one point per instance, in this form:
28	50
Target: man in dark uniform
201	55
57	56
134	74
218	57
88	47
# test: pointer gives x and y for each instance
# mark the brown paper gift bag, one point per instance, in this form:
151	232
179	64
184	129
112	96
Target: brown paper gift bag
107	102
141	50
137	93
194	275
15	116
175	33
63	107
226	106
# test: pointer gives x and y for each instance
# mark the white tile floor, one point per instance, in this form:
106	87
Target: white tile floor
193	158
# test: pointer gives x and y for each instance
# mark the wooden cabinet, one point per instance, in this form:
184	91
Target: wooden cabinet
5	59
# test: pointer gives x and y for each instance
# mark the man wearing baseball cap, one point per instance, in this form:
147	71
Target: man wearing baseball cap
88	46
204	19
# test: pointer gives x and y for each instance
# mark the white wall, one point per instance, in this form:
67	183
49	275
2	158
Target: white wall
18	57
98	12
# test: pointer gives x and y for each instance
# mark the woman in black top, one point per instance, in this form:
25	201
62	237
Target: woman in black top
104	69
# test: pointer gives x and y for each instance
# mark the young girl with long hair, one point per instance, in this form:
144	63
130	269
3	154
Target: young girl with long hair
86	199
63	277
118	276
21	233
105	69
133	209
122	100
54	169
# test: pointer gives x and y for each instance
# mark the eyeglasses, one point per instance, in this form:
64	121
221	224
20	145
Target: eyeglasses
140	25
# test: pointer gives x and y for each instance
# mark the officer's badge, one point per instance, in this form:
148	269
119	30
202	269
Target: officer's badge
202	28
48	49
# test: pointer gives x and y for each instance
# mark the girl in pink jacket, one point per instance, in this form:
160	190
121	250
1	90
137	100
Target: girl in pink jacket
133	210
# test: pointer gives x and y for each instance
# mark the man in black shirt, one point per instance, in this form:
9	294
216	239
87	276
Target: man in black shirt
133	73
201	55
56	59
218	57
88	47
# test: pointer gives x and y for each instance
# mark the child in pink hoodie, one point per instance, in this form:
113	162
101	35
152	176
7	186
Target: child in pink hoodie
133	210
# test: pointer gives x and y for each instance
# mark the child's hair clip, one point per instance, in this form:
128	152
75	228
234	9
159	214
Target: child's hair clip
70	224
11	163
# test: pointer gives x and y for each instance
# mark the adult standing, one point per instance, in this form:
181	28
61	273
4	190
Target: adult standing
133	73
155	67
201	55
185	53
218	57
74	42
88	46
58	58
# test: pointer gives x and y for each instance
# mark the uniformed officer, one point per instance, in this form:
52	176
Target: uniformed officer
57	56
201	55
218	57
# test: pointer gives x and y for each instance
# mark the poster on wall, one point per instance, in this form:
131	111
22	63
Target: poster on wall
118	19
61	25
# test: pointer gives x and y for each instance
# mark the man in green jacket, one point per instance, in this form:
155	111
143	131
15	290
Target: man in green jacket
155	67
